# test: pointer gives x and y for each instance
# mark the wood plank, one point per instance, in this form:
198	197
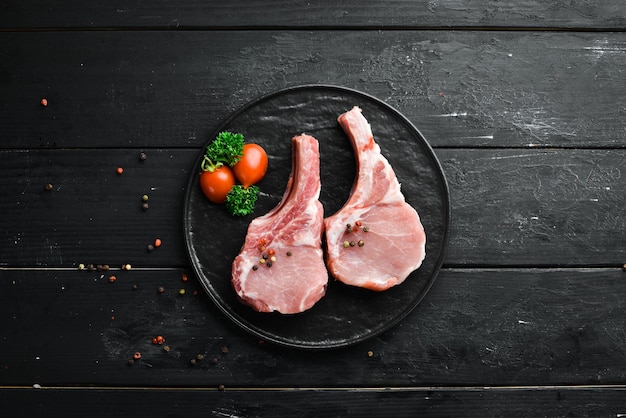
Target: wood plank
607	14
476	327
172	89
510	207
489	402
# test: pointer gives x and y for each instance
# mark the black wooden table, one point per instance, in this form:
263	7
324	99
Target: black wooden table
522	101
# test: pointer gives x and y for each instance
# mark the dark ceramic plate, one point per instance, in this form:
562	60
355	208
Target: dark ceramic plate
346	315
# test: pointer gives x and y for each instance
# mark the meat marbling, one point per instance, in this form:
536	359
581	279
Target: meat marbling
386	240
292	234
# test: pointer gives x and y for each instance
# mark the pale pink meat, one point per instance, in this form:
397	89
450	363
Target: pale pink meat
387	240
292	234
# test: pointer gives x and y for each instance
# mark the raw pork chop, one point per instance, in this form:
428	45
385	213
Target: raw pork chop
281	265
376	239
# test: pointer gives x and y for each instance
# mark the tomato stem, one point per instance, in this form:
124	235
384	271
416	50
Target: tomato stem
208	165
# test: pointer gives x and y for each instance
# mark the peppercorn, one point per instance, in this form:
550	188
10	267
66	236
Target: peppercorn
193	361
142	156
135	286
183	277
214	360
352	243
181	292
112	279
268	264
160	339
361	243
130	362
166	348
44	102
366	228
137	355
288	253
346	244
221	388
150	247
144	198
272	259
81	266
157	242
370	353
145	206
105	267
271	251
48	186
160	289
200	356
255	267
224	349
119	170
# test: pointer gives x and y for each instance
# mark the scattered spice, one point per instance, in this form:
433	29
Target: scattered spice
81	266
166	348
370	353
126	267
142	156
214	360
624	267
346	244
44	102
105	267
157	242
182	291
130	362
221	388
224	349
158	340
193	361
144	198
48	186
119	170
137	355
150	247
160	289
271	252
145	206
112	279
184	277
200	357
135	286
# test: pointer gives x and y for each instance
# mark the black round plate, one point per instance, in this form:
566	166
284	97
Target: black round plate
346	315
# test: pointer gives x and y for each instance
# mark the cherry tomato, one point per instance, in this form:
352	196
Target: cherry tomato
251	168
216	184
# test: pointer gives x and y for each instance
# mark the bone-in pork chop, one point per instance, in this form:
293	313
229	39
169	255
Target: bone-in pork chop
376	239
281	265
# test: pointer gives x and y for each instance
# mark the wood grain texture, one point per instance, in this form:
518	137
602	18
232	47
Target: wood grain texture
509	207
434	402
172	89
607	14
476	327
